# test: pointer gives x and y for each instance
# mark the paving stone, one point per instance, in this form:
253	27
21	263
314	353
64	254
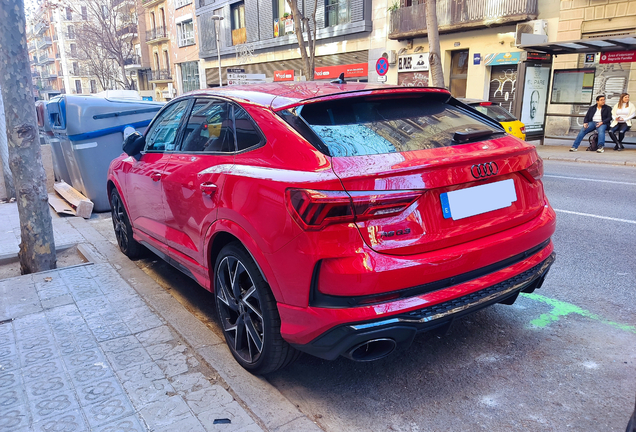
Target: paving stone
8	351
72	421
233	411
38	355
19	298
99	390
176	363
53	405
165	412
11	397
42	370
14	418
6	337
84	358
141	372
126	359
57	301
212	397
144	392
10	379
141	319
190	382
190	424
46	387
32	331
90	372
31	344
127	424
108	410
155	336
71	345
121	344
9	364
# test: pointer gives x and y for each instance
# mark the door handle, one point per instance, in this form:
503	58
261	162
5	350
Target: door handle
156	176
208	188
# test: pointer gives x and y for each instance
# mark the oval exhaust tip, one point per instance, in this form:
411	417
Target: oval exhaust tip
371	350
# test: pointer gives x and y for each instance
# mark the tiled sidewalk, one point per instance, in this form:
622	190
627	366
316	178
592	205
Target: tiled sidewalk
76	359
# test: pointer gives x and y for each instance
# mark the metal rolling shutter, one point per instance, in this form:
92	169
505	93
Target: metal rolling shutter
503	85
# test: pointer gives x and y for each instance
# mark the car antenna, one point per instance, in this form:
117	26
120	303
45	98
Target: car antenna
340	80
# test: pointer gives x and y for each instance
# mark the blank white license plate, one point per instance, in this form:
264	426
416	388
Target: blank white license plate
476	200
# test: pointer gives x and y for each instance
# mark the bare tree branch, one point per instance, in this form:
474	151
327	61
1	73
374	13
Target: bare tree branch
301	24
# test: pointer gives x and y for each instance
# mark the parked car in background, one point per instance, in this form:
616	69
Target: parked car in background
334	219
509	122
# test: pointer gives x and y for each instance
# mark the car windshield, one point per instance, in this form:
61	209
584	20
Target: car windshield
495	112
376	125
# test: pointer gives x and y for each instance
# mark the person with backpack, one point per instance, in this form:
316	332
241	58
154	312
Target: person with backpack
622	115
598	118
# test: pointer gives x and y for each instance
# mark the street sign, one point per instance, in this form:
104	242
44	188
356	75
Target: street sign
244	76
235	70
382	78
382	66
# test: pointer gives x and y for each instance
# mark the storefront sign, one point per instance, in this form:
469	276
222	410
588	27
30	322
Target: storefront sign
413	62
289	26
350	71
590	58
499	59
535	94
284	75
618	57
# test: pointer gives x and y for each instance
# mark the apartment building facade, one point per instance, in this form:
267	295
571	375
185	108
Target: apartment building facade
257	36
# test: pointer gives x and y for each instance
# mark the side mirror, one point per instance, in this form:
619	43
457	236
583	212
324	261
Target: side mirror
134	144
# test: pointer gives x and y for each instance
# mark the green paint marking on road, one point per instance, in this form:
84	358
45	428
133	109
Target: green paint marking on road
561	308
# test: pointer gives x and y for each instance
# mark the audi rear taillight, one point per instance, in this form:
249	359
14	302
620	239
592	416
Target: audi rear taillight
314	209
535	171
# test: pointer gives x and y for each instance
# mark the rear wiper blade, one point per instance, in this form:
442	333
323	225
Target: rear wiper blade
462	137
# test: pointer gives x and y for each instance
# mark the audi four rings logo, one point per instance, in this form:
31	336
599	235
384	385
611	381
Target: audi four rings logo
484	170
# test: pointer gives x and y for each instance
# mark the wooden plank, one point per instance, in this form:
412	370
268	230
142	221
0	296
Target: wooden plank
82	205
60	206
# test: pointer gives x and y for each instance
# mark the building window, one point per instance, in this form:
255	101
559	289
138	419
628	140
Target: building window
237	14
185	30
181	3
189	76
71	32
84	13
78	86
75	69
93	86
166	58
337	12
69	14
73	50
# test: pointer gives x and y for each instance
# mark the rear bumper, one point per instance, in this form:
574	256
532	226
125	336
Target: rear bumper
402	327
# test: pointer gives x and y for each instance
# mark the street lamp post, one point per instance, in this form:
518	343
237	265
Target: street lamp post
217	25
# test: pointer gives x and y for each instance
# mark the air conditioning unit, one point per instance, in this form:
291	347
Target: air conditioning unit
532	32
392	57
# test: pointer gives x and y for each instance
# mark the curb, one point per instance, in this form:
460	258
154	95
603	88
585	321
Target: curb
265	401
579	160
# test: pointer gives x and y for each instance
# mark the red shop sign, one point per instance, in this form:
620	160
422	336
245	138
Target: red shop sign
618	57
284	75
350	71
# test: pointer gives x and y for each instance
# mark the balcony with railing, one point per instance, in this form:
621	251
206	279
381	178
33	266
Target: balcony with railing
40	27
157	34
150	3
133	62
46	59
49	75
127	31
408	22
44	42
160	75
31	46
70	35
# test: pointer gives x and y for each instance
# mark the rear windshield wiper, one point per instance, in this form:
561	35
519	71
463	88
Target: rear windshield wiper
462	137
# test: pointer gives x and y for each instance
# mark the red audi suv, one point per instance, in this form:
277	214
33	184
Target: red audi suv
334	219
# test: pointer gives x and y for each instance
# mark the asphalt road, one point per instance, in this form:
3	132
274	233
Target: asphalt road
561	359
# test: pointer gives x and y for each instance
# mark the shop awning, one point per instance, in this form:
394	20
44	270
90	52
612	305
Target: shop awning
592	45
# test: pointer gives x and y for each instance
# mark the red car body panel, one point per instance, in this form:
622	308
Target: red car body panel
174	216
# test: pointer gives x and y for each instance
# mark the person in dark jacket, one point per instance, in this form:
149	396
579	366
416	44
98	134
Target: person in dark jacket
598	117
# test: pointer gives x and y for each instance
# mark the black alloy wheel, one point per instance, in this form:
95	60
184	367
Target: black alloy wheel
123	230
248	314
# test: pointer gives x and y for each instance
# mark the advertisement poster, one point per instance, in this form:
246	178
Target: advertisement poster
573	86
413	62
535	95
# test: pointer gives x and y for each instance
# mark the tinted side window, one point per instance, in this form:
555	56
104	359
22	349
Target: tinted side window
247	135
209	128
163	132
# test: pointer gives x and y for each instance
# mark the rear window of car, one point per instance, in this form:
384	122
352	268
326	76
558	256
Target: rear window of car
495	112
379	124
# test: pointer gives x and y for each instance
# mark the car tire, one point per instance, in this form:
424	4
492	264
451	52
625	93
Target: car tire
123	230
247	312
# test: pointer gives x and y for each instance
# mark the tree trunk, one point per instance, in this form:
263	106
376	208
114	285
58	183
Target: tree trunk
4	153
434	56
37	249
298	21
